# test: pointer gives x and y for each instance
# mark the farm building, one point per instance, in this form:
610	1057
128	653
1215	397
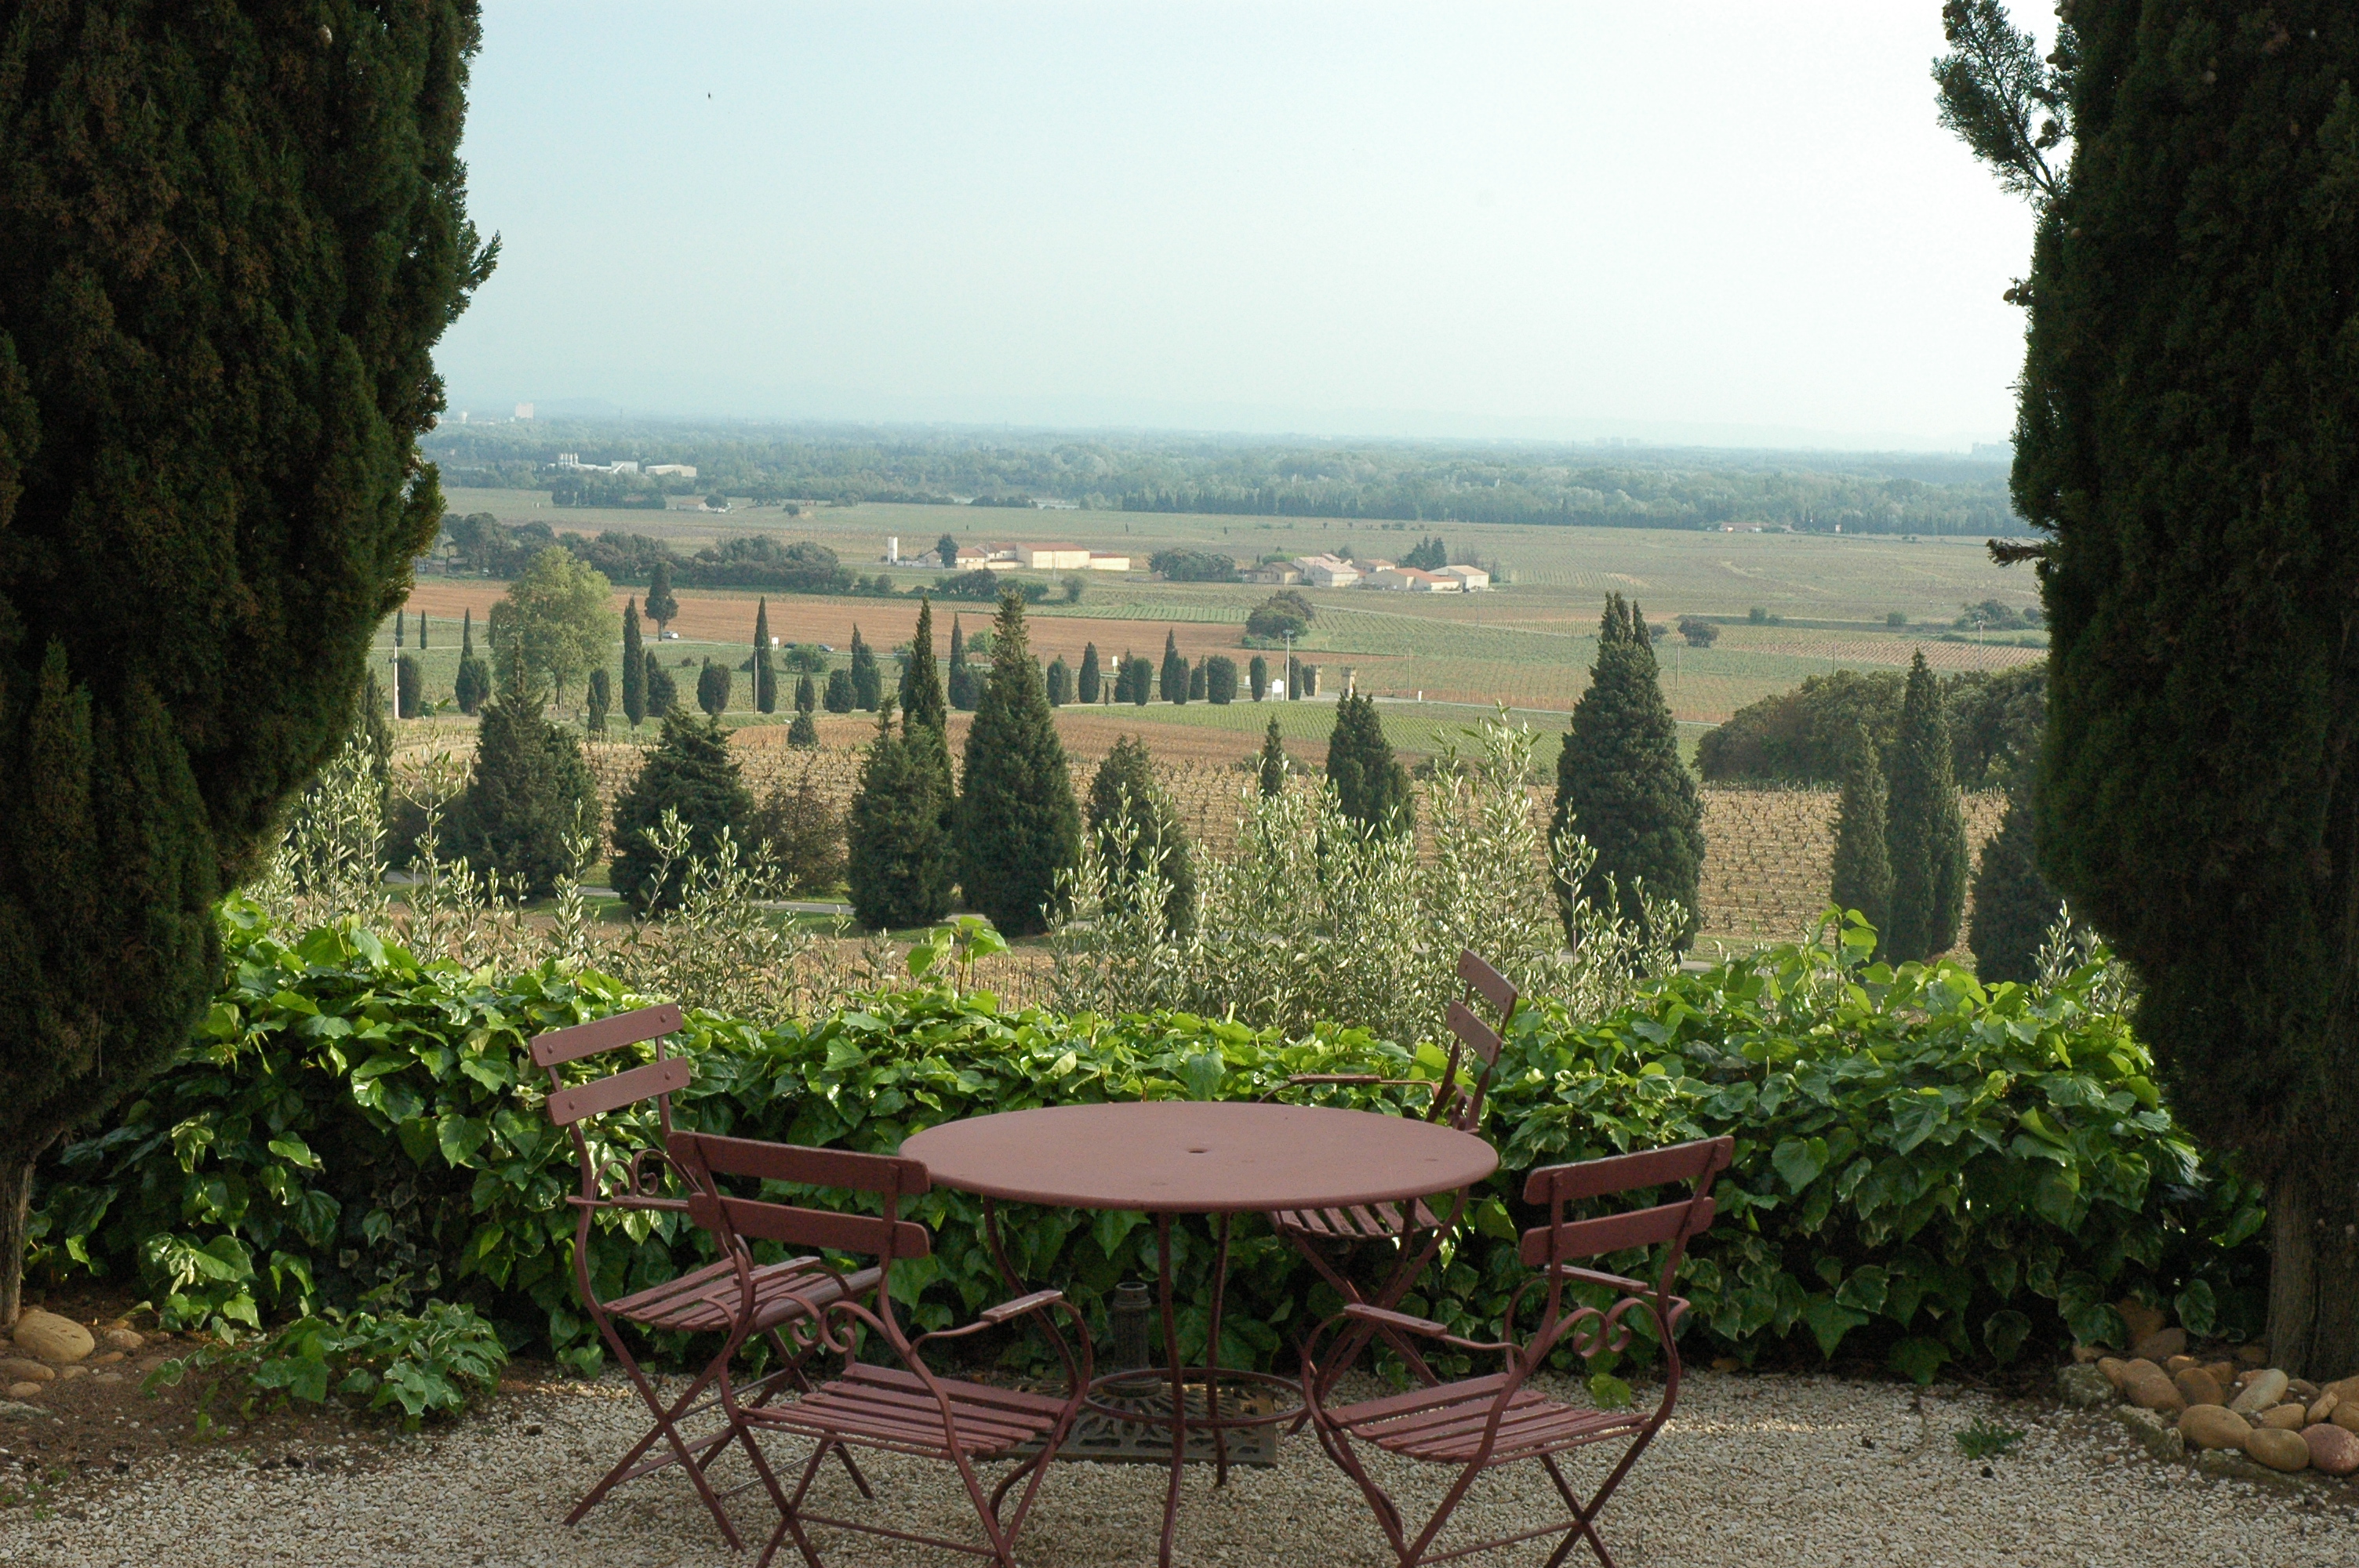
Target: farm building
1326	571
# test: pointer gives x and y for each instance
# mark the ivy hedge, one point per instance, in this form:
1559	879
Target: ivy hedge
1927	1171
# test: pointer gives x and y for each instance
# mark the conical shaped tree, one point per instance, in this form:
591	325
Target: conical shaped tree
1136	826
690	771
713	683
1863	870
1620	783
838	697
765	673
473	687
806	694
1173	684
1086	688
1257	677
634	667
601	699
962	682
2013	905
401	626
900	858
1925	831
1060	682
528	793
803	733
663	692
1271	769
1017	824
1199	681
422	631
921	688
1370	783
867	685
662	608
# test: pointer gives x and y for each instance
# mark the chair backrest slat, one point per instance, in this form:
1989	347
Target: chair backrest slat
1688	1163
838	1168
559	1046
1574	1238
644	1082
1479	1037
1493	985
795	1227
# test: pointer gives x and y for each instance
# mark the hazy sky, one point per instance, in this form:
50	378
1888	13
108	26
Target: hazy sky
1715	220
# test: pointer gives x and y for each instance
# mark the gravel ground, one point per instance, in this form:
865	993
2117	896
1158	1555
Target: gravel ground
1754	1470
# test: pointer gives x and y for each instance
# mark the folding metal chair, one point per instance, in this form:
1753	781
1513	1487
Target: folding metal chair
903	1409
1414	1231
1479	1424
617	1177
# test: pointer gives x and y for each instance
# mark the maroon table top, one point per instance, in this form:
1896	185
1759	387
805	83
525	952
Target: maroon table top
1199	1156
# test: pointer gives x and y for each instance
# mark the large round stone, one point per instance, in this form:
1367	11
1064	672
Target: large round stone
2285	1418
2198	1386
2215	1426
2261	1391
2115	1369
45	1337
2278	1450
2345	1414
2332	1449
2147	1387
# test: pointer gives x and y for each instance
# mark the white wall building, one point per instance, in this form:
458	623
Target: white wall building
1099	561
1053	557
1473	579
1326	571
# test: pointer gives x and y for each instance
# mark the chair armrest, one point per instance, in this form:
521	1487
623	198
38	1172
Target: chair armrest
1386	1318
1019	1306
1622	1282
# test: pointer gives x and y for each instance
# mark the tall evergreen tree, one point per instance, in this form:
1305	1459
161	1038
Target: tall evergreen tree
806	694
663	693
963	684
803	733
1925	830
1018	825
1270	770
528	793
1199	681
472	686
400	625
634	667
2187	433
1128	803
1620	783
1370	783
1060	682
1174	681
225	261
602	698
839	691
713	684
422	631
2013	905
900	859
1257	677
690	771
1220	679
662	607
407	680
765	672
1863	870
1087	686
867	684
921	688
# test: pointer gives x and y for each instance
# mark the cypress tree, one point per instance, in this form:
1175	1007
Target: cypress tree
765	673
899	856
662	608
804	731
663	696
1142	679
1925	831
422	631
690	771
1060	683
962	679
473	685
713	684
1257	677
921	686
2186	436
406	679
634	667
1018	825
1198	684
226	262
1174	682
2013	905
1125	794
867	685
839	691
528	793
1620	783
806	694
1220	679
400	623
1370	783
1863	870
602	698
1271	768
1087	687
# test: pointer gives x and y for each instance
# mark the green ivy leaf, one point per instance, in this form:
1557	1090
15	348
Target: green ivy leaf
2197	1310
1799	1161
1918	1358
2005	1332
1829	1321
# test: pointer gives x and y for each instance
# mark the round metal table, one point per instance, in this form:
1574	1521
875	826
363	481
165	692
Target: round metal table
1211	1157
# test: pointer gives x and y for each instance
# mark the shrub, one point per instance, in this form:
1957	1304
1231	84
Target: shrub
406	683
663	692
434	1363
1370	783
1281	615
1085	685
713	683
1193	565
1220	679
1699	632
